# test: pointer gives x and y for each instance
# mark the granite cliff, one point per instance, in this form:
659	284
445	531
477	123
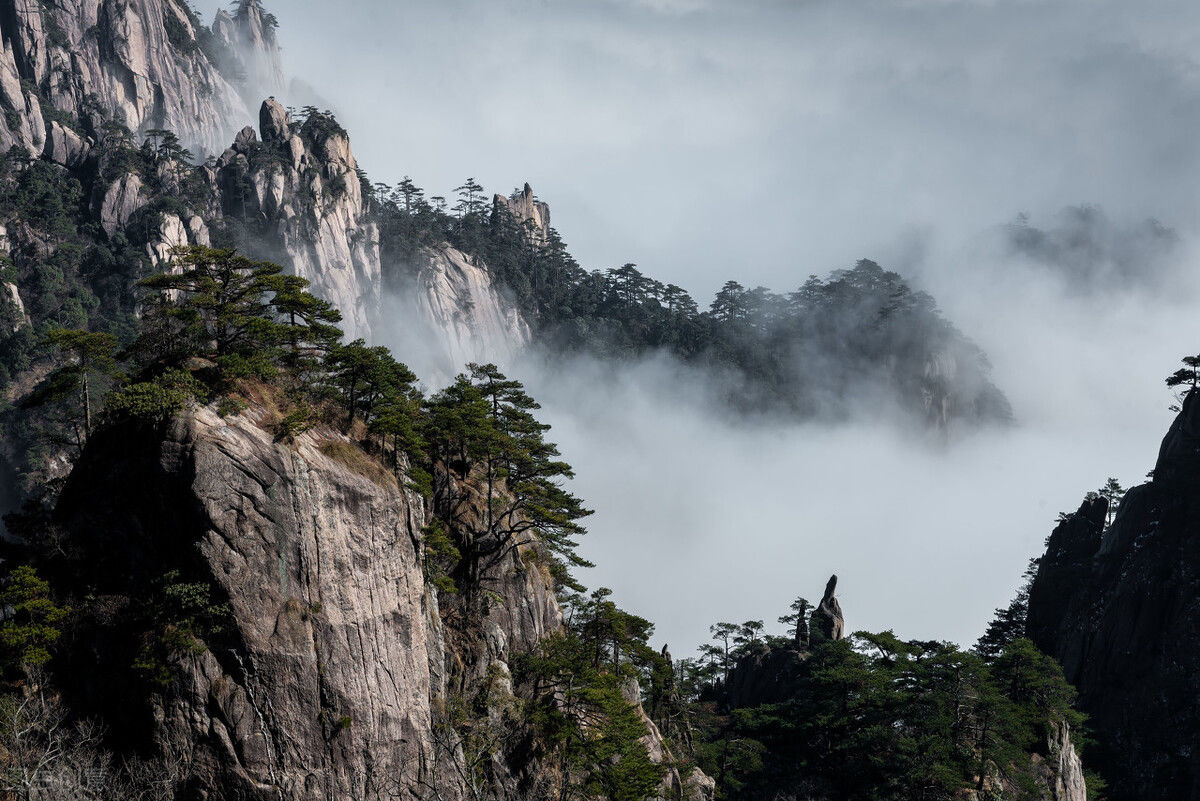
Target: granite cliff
336	670
69	67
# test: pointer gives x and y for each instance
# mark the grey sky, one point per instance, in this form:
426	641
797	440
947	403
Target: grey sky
764	141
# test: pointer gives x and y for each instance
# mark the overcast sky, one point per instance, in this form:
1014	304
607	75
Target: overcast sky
765	141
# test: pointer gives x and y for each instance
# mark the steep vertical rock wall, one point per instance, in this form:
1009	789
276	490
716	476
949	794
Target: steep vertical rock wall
336	661
326	692
298	196
294	194
446	311
249	50
1119	607
143	63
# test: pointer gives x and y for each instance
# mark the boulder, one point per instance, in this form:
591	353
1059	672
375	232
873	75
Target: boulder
273	122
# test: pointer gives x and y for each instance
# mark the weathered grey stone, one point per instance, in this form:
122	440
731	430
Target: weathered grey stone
119	54
328	684
273	122
250	50
525	209
454	303
171	234
65	147
827	619
12	308
312	210
121	201
1067	782
198	232
244	140
698	786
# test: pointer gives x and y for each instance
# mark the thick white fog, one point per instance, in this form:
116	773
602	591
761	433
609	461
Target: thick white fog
767	140
700	518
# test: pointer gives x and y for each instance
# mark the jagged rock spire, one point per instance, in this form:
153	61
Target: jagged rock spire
827	619
527	210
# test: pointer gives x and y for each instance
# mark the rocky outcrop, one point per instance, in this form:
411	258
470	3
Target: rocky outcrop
12	308
122	200
1119	607
1058	773
66	147
325	690
1065	780
532	214
299	191
827	620
249	50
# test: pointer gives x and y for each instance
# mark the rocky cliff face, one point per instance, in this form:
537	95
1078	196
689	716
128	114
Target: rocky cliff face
336	668
69	69
447	311
1119	607
296	197
249	51
69	66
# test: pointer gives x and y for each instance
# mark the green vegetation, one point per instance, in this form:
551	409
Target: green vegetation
580	682
1008	624
180	616
874	717
88	356
481	427
32	623
861	329
1184	380
73	275
226	329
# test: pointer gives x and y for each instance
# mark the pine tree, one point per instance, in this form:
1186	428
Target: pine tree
730	304
88	355
797	621
1008	624
1185	379
31	622
216	302
308	325
482	427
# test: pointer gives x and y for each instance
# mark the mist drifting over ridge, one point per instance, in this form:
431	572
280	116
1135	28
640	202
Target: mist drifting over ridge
794	140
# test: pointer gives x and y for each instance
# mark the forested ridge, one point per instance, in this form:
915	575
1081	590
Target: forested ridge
861	331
